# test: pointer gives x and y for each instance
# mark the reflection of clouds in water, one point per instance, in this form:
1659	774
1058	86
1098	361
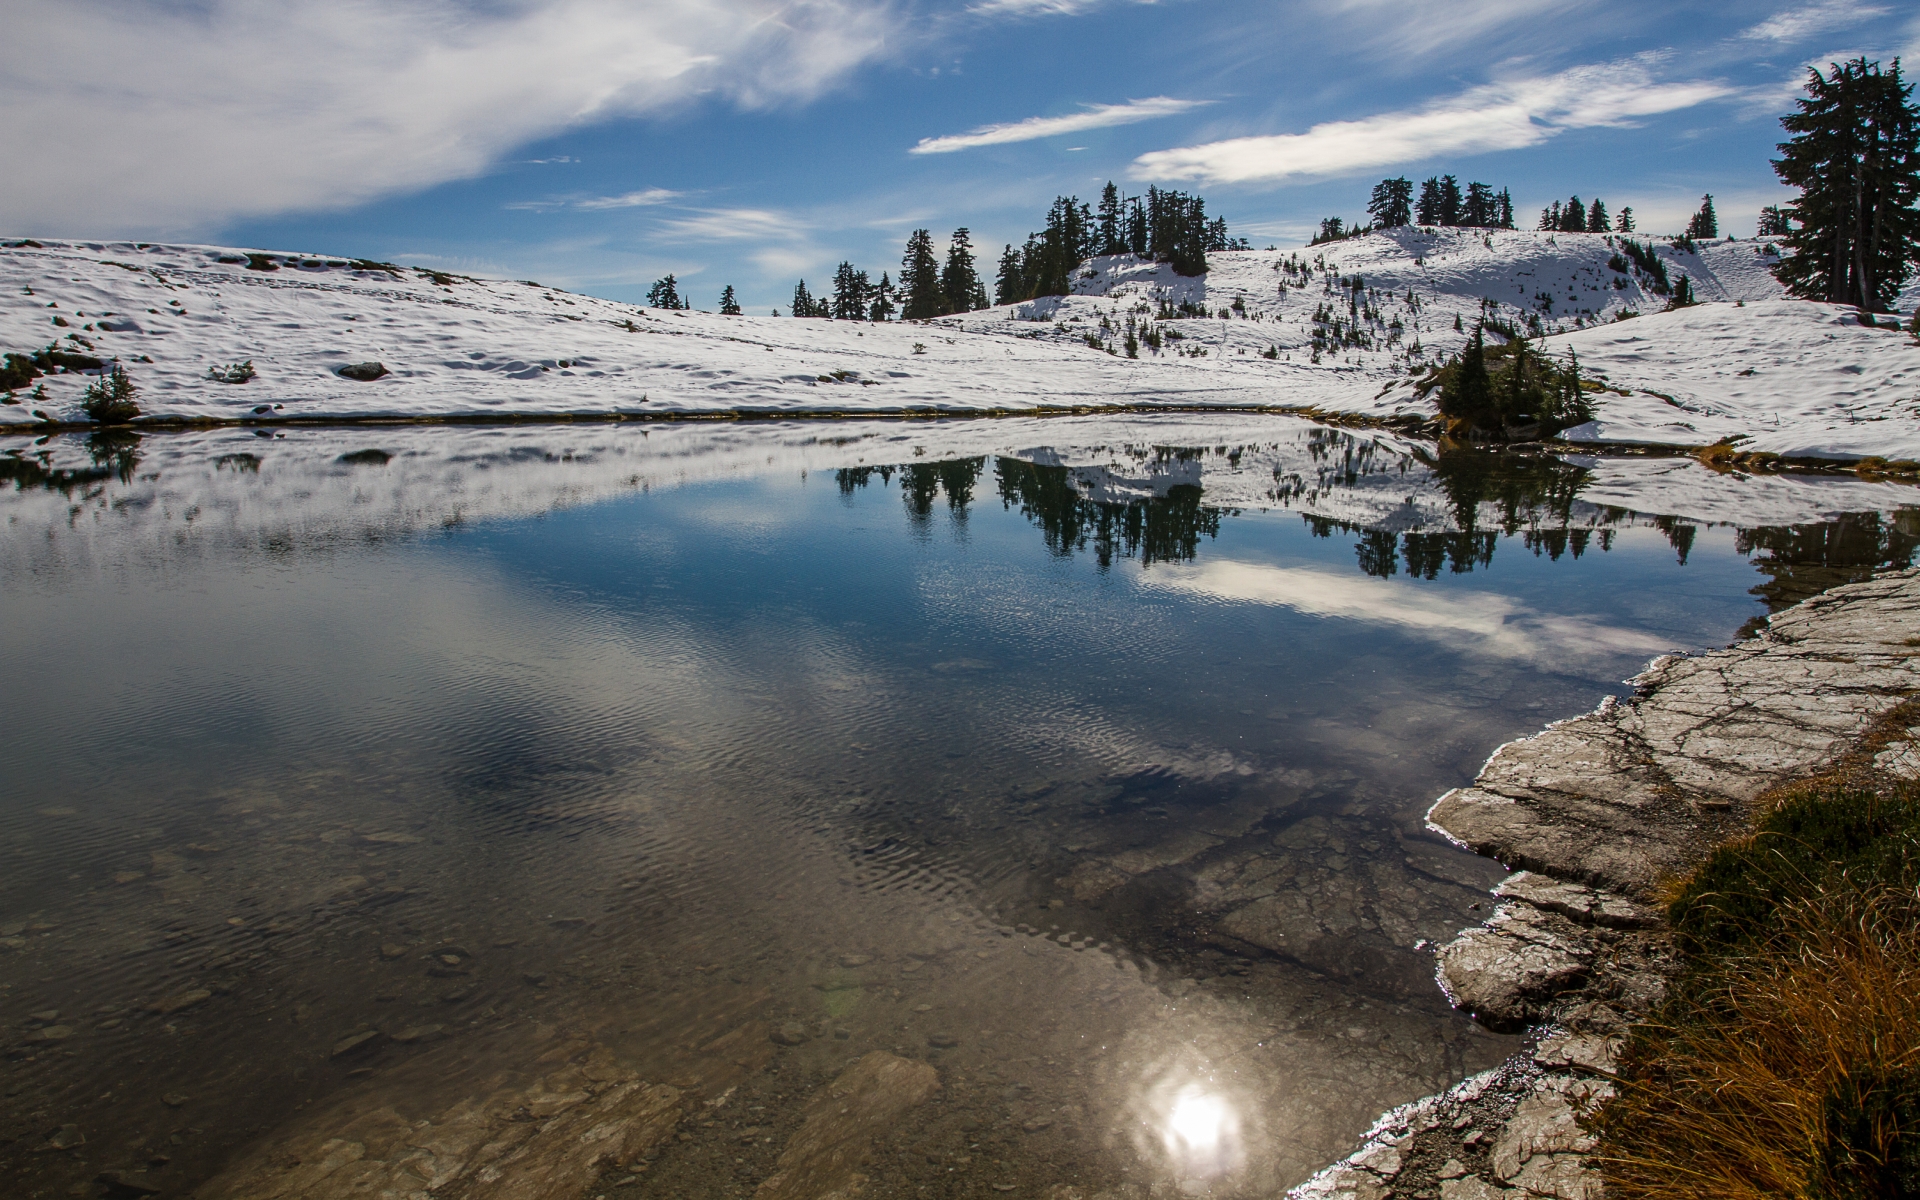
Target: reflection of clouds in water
1487	622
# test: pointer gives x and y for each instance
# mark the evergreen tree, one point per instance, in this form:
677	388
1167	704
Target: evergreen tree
1624	223
850	288
729	306
1550	217
1112	222
1597	217
1392	203
1704	224
1773	221
1009	285
802	300
1855	156
1573	218
1136	226
1506	210
920	295
881	308
1450	200
959	282
1427	210
665	293
1482	206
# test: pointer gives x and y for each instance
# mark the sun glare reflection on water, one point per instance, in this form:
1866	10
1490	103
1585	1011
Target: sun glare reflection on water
1199	1130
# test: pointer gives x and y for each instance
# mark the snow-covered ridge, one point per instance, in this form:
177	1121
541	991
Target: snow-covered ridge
1339	328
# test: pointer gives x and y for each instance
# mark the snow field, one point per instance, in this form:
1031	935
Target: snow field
1342	328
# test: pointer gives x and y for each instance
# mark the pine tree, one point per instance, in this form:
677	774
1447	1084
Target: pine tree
665	293
1136	226
802	300
1450	200
1550	217
1009	284
1392	203
1506	210
1573	218
920	296
1597	221
1855	156
850	288
1704	223
1482	207
1427	210
1624	222
1112	232
959	282
1773	222
881	308
729	306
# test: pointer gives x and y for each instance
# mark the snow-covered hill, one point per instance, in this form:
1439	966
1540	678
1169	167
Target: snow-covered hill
1340	328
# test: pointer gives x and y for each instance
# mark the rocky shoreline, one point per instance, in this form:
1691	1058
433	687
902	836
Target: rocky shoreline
1596	813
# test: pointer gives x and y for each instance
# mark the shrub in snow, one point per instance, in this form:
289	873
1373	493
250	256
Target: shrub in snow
238	372
1508	390
109	399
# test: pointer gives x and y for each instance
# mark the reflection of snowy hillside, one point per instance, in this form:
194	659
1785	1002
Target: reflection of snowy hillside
1341	328
231	492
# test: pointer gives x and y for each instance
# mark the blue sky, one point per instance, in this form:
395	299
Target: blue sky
599	144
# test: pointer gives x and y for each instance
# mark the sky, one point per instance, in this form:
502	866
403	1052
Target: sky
598	145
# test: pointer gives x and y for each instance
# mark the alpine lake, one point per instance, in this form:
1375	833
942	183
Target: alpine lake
373	778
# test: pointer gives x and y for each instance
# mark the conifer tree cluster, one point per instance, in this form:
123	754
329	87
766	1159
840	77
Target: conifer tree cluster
929	290
1441	202
1855	156
1577	217
665	293
729	303
1505	388
1167	226
855	297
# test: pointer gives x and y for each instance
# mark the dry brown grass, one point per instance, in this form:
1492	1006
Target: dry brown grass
1789	1070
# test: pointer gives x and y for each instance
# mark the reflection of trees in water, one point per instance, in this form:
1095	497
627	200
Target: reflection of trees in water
115	454
1800	560
1154	529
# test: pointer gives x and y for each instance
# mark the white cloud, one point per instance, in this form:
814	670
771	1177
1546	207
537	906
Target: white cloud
1796	23
1038	8
1507	115
194	114
1485	622
733	225
1098	116
628	200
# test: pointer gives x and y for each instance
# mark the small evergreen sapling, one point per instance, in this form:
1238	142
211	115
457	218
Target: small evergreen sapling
109	399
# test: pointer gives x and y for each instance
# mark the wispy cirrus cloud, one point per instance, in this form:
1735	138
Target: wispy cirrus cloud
733	225
1098	116
648	196
1795	23
1507	115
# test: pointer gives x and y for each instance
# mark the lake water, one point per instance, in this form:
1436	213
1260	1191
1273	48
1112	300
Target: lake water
1084	760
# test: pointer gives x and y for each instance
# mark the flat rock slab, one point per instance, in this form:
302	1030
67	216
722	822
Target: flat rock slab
835	1141
1637	791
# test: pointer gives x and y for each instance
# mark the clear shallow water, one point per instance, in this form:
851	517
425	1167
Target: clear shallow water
1094	779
